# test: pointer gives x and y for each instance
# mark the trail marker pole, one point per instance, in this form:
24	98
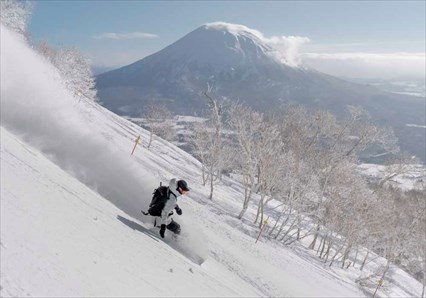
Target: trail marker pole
265	222
136	143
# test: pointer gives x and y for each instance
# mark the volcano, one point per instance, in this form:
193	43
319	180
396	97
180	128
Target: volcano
240	64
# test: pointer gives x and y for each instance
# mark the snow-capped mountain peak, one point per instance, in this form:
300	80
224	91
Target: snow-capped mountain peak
235	29
281	49
221	46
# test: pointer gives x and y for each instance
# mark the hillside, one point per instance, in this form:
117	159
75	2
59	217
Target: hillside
64	162
60	238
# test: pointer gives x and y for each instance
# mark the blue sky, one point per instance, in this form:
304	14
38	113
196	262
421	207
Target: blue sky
379	27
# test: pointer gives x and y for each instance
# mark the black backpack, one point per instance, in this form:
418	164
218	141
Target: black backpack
159	199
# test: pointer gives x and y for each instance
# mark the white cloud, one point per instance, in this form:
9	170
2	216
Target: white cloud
283	48
287	48
130	35
366	56
367	65
386	46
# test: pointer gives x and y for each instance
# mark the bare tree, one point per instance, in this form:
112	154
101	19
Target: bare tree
201	142
341	148
208	144
308	160
246	124
215	160
396	166
269	165
158	119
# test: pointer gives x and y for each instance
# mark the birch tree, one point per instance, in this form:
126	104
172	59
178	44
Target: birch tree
208	144
269	164
396	166
158	119
246	124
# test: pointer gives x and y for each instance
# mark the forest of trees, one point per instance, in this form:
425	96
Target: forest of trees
307	160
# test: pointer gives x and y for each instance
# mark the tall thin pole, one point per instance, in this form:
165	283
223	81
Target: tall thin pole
265	222
136	143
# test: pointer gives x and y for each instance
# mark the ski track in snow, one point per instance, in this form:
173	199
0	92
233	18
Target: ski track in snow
60	237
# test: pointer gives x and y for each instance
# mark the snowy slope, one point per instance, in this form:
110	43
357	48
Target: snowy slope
64	162
60	238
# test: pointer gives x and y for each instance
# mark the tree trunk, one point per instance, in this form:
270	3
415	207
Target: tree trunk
281	227
203	174
247	197
327	253
320	244
356	258
335	255
245	206
281	214
365	260
312	245
323	245
276	222
150	139
258	209
211	186
262	213
381	279
346	255
283	223
289	229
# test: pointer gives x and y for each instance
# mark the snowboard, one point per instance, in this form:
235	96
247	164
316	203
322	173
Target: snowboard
178	242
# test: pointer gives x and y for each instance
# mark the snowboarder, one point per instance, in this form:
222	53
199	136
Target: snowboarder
163	203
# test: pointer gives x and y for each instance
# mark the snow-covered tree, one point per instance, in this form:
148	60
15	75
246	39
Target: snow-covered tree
396	166
158	119
308	161
15	15
339	149
246	125
74	68
269	165
208	143
361	133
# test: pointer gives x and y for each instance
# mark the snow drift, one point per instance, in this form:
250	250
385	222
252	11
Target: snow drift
61	239
36	105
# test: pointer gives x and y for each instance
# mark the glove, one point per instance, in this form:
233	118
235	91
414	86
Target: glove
162	230
178	210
